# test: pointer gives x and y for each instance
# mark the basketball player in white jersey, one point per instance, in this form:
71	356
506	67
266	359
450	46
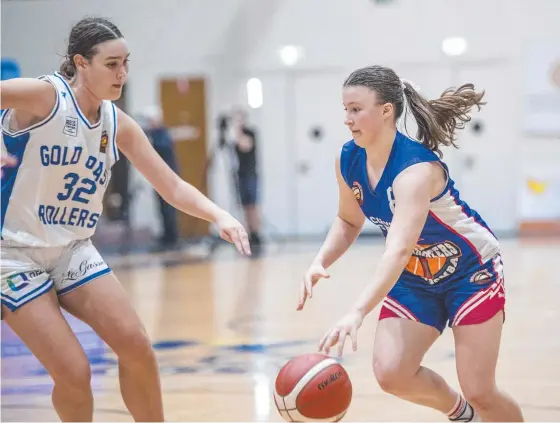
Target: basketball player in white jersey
62	134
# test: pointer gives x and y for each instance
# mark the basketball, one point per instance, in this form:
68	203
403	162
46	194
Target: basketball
312	386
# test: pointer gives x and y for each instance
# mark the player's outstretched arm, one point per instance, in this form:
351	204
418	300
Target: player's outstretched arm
134	143
345	229
34	97
413	190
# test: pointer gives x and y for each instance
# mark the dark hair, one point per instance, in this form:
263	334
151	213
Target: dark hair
84	37
437	119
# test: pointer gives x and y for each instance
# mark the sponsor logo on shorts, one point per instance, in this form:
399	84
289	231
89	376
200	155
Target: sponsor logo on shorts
21	280
434	262
482	276
83	269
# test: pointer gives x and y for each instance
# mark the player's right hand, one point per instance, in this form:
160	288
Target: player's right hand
310	278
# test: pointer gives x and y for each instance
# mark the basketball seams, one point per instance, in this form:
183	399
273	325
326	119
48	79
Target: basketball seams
308	376
305	381
314	401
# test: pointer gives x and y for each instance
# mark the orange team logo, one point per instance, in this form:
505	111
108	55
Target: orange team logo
104	142
434	262
358	192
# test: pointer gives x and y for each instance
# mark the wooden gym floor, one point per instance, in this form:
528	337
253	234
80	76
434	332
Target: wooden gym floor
223	328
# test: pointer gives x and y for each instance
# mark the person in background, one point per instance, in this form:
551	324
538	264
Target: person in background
159	135
235	132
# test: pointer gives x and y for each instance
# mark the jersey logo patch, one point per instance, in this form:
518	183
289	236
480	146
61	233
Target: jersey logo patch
482	276
434	262
71	126
358	192
103	143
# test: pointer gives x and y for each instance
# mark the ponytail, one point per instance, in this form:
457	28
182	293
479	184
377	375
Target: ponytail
439	119
68	68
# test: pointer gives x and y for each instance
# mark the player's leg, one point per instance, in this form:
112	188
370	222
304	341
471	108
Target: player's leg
410	322
400	345
248	192
30	307
477	327
477	347
96	297
44	330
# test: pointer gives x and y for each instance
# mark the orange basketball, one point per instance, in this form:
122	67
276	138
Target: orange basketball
312	386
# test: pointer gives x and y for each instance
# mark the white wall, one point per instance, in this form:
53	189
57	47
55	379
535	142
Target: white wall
407	36
174	37
230	41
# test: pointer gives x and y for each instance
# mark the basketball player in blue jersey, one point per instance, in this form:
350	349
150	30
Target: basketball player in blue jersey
441	263
62	133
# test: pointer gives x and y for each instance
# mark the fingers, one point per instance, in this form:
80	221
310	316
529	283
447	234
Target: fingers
338	336
302	296
329	340
308	280
8	160
234	239
238	237
354	337
244	237
306	290
342	337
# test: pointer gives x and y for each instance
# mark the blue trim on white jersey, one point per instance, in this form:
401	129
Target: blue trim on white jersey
115	149
6	130
16	147
76	106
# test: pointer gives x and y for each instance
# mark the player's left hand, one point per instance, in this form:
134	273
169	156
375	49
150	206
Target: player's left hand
347	326
233	231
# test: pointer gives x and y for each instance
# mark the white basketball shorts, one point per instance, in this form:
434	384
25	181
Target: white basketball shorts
28	272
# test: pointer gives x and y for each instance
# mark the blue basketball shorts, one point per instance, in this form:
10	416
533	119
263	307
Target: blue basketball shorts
29	272
248	186
472	297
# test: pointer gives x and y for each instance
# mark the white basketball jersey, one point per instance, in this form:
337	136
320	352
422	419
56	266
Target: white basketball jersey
54	195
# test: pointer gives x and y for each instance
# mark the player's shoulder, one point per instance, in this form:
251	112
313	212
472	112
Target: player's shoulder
349	150
407	151
406	146
349	154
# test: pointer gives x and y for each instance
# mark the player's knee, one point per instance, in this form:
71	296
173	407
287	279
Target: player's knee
134	345
390	376
74	376
481	396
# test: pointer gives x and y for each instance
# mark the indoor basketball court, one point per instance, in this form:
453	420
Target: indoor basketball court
223	329
247	95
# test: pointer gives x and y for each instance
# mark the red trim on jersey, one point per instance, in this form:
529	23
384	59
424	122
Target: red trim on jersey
458	234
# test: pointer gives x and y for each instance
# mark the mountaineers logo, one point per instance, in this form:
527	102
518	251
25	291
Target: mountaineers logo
434	262
358	192
104	142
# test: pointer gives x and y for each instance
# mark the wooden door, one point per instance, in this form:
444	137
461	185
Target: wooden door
183	102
